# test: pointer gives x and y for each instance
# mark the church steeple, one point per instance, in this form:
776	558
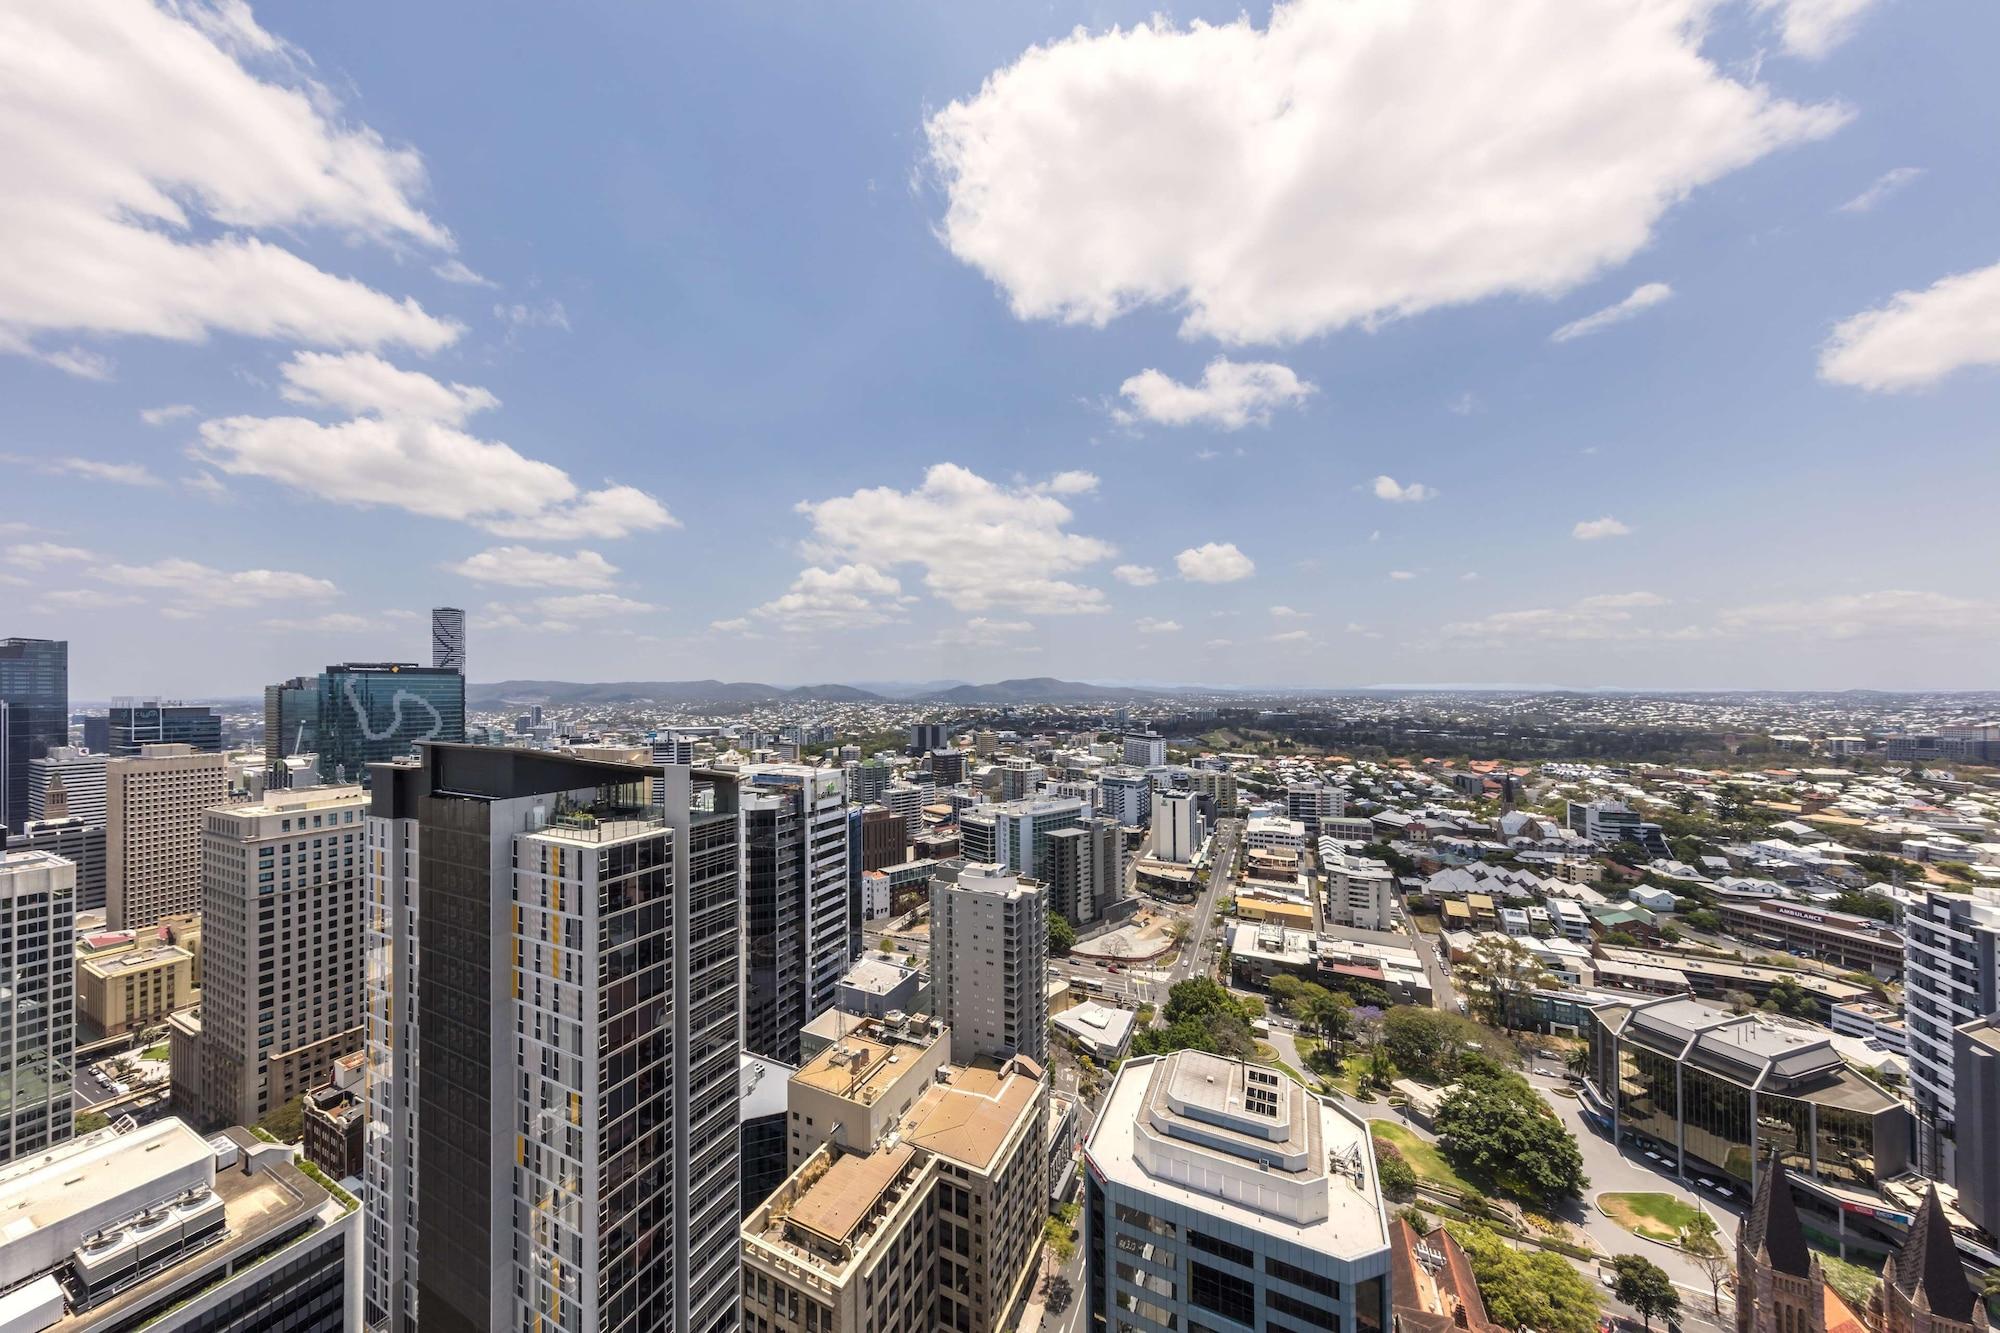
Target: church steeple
1924	1286
1772	1233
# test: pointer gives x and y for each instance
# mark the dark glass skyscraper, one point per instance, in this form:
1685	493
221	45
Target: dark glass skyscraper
34	715
138	722
354	714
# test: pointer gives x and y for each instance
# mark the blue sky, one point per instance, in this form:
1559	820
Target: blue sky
778	343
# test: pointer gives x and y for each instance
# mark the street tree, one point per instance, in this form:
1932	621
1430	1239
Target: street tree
1503	972
1645	1286
1703	1245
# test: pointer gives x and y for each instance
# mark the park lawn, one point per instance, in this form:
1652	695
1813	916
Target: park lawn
1422	1155
1654	1216
160	1052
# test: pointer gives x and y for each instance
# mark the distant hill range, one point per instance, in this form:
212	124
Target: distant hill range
1034	690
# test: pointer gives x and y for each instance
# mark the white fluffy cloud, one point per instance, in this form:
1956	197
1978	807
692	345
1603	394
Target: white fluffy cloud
1290	636
561	612
1597	529
525	567
148	145
160	416
1387	488
1139	576
361	382
1811	28
1150	625
406	448
191	586
980	545
1231	395
1244	174
1918	338
1643	298
849	597
1214	562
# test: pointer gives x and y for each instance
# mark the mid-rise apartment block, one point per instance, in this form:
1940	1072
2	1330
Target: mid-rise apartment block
1951	976
1219	1192
795	901
1126	794
1145	749
1085	869
936	1227
573	1085
1359	892
154	803
1015	834
853	1093
1178	827
989	959
37	1002
282	916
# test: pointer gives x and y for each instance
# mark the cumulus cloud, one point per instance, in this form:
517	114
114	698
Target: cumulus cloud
361	382
1884	185
525	567
125	215
980	545
1214	562
190	586
852	596
561	612
1074	482
160	416
1231	395
1918	338
1287	613
1386	488
1597	529
1242	174
85	599
405	448
1149	625
1643	298
333	622
1811	28
1139	576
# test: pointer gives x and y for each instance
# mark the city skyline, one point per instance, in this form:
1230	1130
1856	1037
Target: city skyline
777	298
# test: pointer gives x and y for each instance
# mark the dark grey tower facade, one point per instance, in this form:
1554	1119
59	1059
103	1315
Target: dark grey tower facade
577	1009
133	723
34	715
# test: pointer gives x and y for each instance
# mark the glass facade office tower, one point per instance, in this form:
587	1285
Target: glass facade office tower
1951	976
134	723
34	715
562	960
37	1002
355	714
448	639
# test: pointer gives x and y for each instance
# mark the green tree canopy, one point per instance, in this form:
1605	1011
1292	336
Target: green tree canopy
1427	1043
1527	1289
1062	935
1497	1127
1645	1286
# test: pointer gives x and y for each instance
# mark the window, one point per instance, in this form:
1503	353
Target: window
1221	1249
1299	1277
1228	1295
1316	1315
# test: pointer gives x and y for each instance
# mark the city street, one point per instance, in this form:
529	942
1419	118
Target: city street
1443	996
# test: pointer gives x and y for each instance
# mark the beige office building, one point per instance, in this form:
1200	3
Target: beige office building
153	804
860	1087
281	933
937	1227
126	982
